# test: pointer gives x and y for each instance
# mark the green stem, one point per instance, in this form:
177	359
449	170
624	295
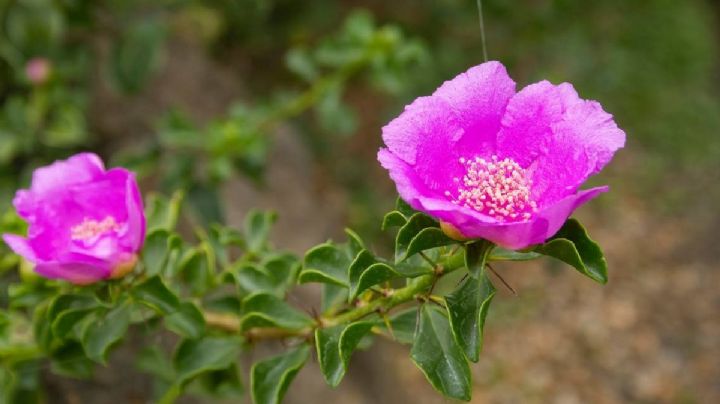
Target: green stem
417	287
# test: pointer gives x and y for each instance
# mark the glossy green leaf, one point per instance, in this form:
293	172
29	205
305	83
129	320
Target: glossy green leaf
63	324
438	355
257	229
393	219
572	245
502	254
355	243
266	310
283	268
332	297
154	294
335	346
197	356
467	307
252	278
223	383
326	263
403	207
476	255
187	321
106	332
270	378
366	272
411	238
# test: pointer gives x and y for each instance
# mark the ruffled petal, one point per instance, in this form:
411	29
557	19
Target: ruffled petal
543	225
420	197
77	273
135	214
20	246
559	137
478	97
79	168
424	136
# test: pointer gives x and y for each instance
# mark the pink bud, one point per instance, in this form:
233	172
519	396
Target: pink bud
37	70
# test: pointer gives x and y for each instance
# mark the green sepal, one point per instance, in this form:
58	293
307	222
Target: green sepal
572	245
335	346
271	377
439	357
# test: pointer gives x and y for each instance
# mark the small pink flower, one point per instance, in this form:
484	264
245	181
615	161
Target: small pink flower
37	70
85	223
495	164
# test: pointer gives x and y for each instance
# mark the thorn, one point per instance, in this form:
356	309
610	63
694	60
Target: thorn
507	285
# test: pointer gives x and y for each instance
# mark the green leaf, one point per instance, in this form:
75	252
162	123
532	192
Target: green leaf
196	356
476	255
70	360
106	332
403	207
333	296
502	254
335	346
154	361
197	271
393	219
266	310
421	232
437	354
187	321
325	263
257	229
270	378
572	245
163	213
155	251
252	278
366	272
283	268
355	243
467	308
154	294
223	383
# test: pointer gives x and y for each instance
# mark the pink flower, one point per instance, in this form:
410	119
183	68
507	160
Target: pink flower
495	164
37	70
85	223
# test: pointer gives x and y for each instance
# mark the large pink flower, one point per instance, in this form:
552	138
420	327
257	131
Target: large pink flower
495	164
85	223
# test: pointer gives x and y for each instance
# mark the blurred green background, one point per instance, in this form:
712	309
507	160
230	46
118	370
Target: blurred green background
279	104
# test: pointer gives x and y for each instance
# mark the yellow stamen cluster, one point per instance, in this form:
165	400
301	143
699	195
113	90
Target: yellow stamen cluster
90	228
497	188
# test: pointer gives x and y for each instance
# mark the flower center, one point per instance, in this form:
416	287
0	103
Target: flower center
89	228
496	188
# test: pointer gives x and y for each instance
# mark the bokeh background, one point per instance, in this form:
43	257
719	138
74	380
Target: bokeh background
279	104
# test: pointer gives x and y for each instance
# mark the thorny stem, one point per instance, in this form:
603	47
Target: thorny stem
418	287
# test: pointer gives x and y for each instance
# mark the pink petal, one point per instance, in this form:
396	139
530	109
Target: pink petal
535	231
479	98
79	168
21	246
